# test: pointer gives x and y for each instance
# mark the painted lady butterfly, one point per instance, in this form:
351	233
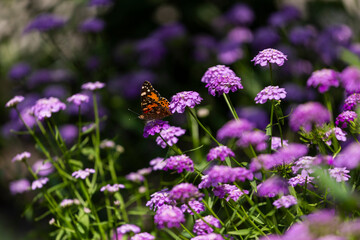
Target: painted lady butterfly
152	104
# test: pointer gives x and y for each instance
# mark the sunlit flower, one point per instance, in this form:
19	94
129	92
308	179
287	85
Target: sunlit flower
39	183
269	55
170	136
78	99
14	101
83	173
340	174
19	186
285	201
44	107
201	228
142	236
169	216
270	93
156	126
112	188
220	152
324	79
184	99
92	86
344	118
179	163
21	157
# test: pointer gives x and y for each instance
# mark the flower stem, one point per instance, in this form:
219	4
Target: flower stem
231	107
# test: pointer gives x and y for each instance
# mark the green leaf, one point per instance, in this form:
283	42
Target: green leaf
240	232
76	163
350	58
60	234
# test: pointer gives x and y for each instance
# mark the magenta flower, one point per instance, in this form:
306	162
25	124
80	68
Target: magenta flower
156	126
234	129
300	179
42	168
44	23
266	161
345	117
308	114
220	152
19	186
304	164
112	188
255	138
159	199
44	107
285	201
290	153
269	55
106	143
211	236
276	143
83	173
158	163
135	177
350	79
179	163
78	99
197	206
14	101
352	101
233	192
92	86
21	157
270	93
170	135
201	228
169	216
339	134
272	187
143	236
69	202
324	79
221	79
125	228
184	99
39	183
340	174
349	157
184	192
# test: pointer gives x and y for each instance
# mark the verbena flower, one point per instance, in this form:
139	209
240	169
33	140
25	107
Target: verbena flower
170	136
304	163
14	101
197	206
266	161
272	187
19	186
44	107
240	14
83	173
339	134
234	129
92	25
123	229
169	216
106	143
300	179
142	236
179	163
340	174
240	35
158	163
100	3
184	99
285	201
69	132
350	79
290	153
43	168
92	86
349	157
112	188
211	236
229	52
144	171
159	199
44	23
224	174
307	114
78	99
39	183
220	152
352	101
232	191
21	157
19	71
344	118
324	79
255	138
270	93
69	202
221	79
201	228
269	55
156	126
135	177
184	192
276	143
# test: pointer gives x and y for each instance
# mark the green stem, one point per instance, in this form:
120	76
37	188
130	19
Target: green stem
231	107
269	129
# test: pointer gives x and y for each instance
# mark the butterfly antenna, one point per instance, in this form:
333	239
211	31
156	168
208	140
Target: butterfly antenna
133	112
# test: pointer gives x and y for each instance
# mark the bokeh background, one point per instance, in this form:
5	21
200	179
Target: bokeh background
169	43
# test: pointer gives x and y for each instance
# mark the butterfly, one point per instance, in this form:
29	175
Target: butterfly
152	104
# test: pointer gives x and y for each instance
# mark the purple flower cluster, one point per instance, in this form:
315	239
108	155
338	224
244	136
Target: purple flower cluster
344	118
339	134
290	153
350	79
159	199
170	136
276	143
158	163
201	228
184	192
92	25
272	187
44	107
197	206
232	191
307	114
304	164
255	138
19	71
39	183
285	201
220	152
123	229
221	79
19	186
169	216
42	168
21	157
78	99
143	236
83	173
44	23
112	188
211	236
92	86
153	127
184	99
179	163
269	55
300	179
14	101
340	174
349	157
69	202
270	93
100	3
234	129
324	79
352	101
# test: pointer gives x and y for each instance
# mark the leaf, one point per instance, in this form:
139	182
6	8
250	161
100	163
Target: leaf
76	163
240	232
60	234
350	58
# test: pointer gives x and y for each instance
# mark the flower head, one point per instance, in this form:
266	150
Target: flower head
123	229
44	107
256	138
270	93
272	187
220	152
142	236
159	199
21	157
339	134
135	177
19	186
340	174
301	179
112	188
349	157
240	14
269	55
92	25
345	117
221	79
233	192
14	101
153	127
211	236
158	163
304	164
69	202
19	71
78	99
184	99
179	163
285	201
350	79
234	129
197	206
39	183
83	173
276	143
106	143
44	23
42	168
266	161
224	174
352	101
169	216
290	153
201	228
170	135
324	79
307	114
92	86
184	192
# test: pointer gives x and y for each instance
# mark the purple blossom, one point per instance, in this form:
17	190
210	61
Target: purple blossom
44	23
324	79
269	55
339	134
256	138
39	183
211	236
78	99
240	35
184	192
301	179
352	101
170	136
201	228
83	173
112	188
240	14
350	79
44	107
144	171
197	206
19	186
100	3
302	35
221	152
151	51
21	157
158	163
135	177
106	143
270	93
340	174
179	163
266	161
92	25
349	157
125	228
43	168
345	117
143	236
153	127
265	37
233	192
307	114
272	187
255	115
224	174
19	71
14	101
184	99
284	16
234	129
69	202
285	201
159	199
221	79
229	52
169	216
92	86
276	143
69	133
290	153
304	163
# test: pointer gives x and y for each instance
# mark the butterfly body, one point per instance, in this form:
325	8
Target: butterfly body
152	104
